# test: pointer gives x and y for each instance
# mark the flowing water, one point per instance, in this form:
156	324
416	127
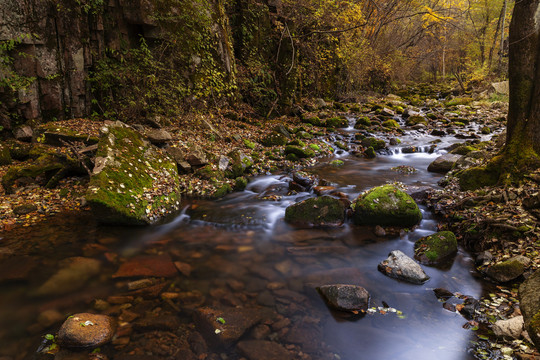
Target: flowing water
243	254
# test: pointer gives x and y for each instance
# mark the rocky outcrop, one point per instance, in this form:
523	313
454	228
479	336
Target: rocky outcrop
133	182
386	206
507	270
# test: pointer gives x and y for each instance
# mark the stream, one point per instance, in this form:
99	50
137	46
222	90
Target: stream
240	252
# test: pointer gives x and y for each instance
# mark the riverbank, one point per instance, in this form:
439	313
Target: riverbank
374	121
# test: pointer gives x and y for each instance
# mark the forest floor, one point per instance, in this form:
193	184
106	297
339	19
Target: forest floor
491	219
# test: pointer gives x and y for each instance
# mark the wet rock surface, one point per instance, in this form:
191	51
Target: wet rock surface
401	267
86	330
345	297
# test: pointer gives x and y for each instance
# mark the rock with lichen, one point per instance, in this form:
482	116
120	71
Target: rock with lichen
133	181
386	206
505	271
436	249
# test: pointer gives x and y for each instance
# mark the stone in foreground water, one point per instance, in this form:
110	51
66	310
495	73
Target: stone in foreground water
86	330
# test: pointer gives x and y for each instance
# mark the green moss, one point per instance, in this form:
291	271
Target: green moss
249	144
336	163
46	166
362	122
376	144
534	328
319	211
486	130
415	120
477	177
459	101
391	124
370	153
341	145
314	120
304	135
436	248
208	172
463	150
386	206
222	191
299	152
240	183
137	184
337	122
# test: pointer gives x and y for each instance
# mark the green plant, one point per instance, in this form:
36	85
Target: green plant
8	77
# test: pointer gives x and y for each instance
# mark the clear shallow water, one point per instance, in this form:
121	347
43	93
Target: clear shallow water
243	238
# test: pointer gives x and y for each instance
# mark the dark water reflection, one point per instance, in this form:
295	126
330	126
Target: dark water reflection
243	238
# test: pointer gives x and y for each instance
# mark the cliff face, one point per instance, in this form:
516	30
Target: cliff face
66	58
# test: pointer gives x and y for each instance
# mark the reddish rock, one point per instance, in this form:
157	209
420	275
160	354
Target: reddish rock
142	266
263	350
86	330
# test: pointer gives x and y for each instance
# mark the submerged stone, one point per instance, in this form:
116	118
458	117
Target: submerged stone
86	330
436	248
133	182
318	211
73	275
263	350
386	206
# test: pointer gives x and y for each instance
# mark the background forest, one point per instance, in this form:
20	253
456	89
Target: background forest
129	59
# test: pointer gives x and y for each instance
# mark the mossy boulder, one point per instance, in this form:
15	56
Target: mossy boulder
463	150
133	181
337	122
392	124
18	150
362	122
386	206
478	176
376	144
274	139
240	164
49	168
505	271
370	153
299	151
529	304
415	120
5	156
436	249
318	211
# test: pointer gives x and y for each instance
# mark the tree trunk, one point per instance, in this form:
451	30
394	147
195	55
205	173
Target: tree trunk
523	127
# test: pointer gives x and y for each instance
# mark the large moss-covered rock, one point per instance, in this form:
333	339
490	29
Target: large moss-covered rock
55	135
319	211
508	270
240	164
376	144
133	182
529	304
436	248
386	206
300	152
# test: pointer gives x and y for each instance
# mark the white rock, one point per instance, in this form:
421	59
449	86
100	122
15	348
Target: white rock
509	328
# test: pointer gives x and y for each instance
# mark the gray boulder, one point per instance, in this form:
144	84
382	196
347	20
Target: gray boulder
23	133
158	136
345	297
444	163
401	267
511	328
